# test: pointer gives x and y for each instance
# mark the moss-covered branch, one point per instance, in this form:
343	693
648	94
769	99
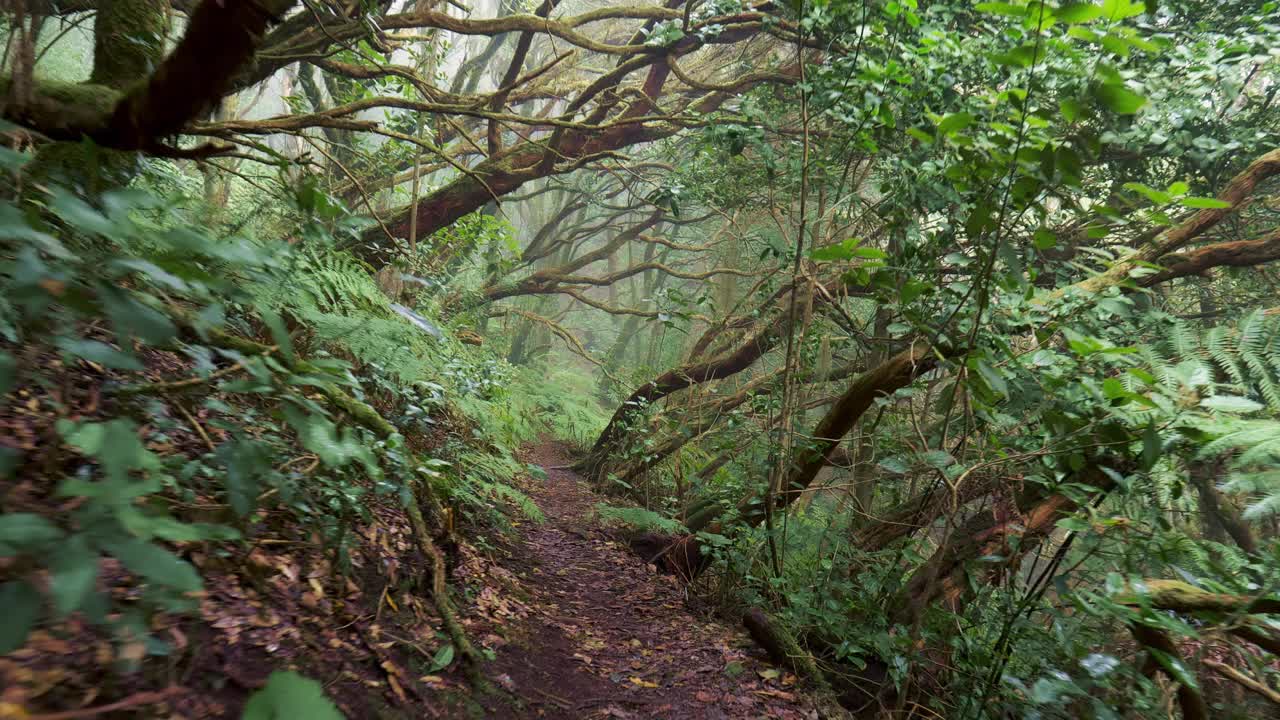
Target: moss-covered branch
221	37
1181	597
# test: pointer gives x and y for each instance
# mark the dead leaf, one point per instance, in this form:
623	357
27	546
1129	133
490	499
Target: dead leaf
643	683
395	687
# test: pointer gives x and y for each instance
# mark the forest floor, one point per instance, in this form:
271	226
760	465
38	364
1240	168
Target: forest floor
601	634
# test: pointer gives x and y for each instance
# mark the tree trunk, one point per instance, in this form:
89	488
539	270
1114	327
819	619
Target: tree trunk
1217	512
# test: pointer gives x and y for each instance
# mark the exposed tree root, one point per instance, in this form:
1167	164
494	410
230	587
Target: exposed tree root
782	646
471	660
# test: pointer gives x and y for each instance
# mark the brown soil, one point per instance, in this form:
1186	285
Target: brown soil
603	635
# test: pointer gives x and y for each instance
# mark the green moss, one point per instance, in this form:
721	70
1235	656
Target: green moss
58	107
128	41
56	104
84	99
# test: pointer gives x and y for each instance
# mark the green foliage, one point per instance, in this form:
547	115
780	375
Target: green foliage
639	519
121	265
483	478
339	284
953	171
290	695
106	282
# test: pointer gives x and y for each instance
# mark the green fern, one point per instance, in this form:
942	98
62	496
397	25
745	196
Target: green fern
485	478
1223	352
638	518
1179	548
1240	361
1258	441
1182	341
1219	387
340	283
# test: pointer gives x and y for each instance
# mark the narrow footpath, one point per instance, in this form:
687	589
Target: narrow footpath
600	634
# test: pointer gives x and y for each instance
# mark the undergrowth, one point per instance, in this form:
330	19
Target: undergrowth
247	386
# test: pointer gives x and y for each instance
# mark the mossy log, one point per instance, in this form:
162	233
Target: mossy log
782	646
1179	596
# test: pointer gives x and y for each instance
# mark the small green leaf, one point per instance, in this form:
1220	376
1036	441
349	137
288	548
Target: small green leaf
1231	404
920	135
1078	13
1152	447
288	695
895	465
26	530
155	564
954	123
99	352
1071	109
837	251
21	604
85	437
121	450
1043	239
1175	666
912	289
12	160
1074	524
938	459
1155	196
278	332
79	214
442	658
74	571
1022	56
1113	388
247	462
132	318
1119	99
992	378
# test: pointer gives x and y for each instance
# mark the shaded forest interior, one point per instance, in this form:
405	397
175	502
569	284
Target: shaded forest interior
681	359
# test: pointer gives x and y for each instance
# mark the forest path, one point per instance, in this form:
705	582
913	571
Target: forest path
607	637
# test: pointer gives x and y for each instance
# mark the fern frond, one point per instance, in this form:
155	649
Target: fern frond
1220	348
1254	331
343	284
1182	341
639	518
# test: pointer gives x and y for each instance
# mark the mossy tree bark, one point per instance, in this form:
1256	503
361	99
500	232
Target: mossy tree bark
128	41
128	44
146	108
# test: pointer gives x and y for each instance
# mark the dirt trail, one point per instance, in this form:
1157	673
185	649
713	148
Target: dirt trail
606	637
